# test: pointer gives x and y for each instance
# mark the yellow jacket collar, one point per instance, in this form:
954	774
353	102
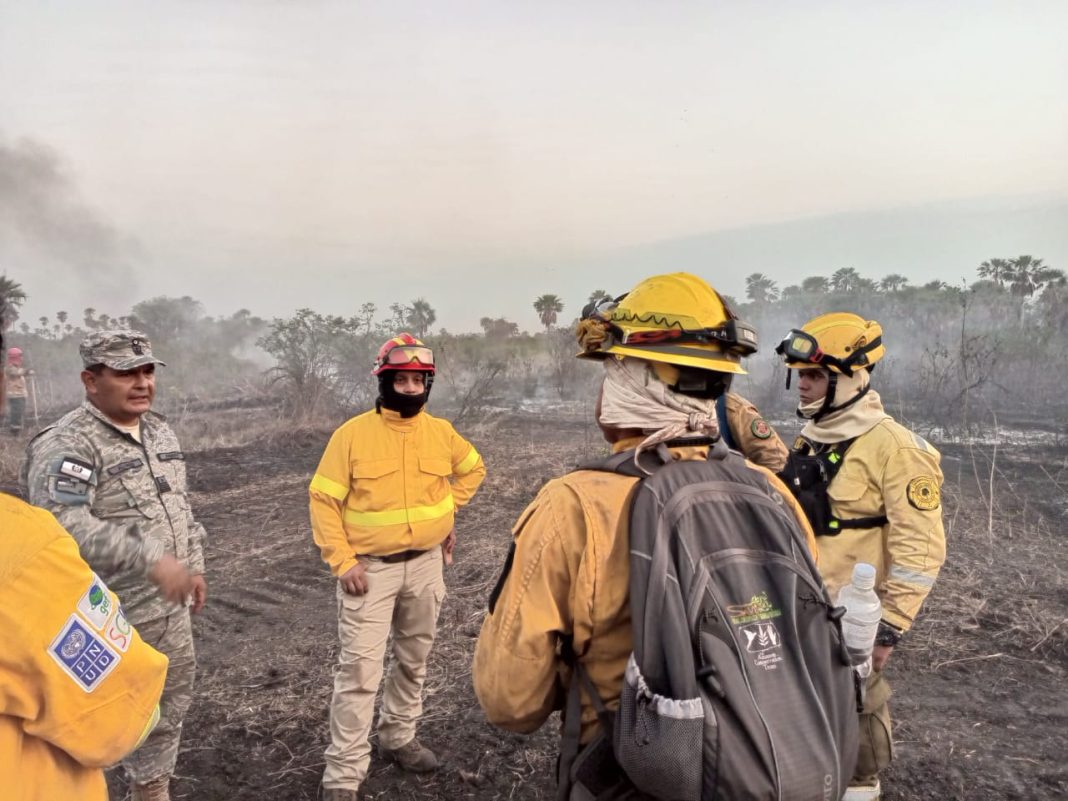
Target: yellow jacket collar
398	423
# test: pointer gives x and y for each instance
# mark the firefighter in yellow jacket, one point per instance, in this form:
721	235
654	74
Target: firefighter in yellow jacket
741	425
871	489
383	501
79	689
669	348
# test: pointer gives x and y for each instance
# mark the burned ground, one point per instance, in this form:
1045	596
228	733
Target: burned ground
980	710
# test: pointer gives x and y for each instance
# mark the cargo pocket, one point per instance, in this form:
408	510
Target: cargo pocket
659	741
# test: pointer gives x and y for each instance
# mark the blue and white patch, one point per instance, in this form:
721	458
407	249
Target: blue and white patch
83	656
76	469
96	605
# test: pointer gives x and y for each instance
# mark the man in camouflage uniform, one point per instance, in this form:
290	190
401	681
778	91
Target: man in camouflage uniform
113	473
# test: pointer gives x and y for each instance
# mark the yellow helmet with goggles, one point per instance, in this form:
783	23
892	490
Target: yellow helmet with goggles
840	341
674	319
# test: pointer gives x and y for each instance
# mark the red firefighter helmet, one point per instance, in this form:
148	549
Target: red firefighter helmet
14	353
404	352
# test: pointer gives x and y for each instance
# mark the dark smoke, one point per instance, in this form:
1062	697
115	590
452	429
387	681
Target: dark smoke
41	209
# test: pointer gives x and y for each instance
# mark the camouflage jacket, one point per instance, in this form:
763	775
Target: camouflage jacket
126	503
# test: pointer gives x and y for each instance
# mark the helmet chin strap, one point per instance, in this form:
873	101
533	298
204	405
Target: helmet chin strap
826	407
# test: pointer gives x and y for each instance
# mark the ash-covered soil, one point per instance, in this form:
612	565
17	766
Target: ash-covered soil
980	706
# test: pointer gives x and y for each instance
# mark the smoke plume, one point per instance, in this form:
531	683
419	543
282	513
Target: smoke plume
45	221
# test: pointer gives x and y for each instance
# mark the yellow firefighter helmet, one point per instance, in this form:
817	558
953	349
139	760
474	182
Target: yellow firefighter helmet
839	341
675	319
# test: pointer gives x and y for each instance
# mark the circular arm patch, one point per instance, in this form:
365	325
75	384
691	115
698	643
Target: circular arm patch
760	429
923	493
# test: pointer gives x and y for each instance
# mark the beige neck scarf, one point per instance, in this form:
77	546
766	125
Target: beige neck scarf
632	397
849	423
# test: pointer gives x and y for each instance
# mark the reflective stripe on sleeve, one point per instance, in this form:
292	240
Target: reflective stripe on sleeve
149	726
911	576
468	463
329	487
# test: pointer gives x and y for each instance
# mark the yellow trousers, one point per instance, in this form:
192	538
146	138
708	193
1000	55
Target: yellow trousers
403	599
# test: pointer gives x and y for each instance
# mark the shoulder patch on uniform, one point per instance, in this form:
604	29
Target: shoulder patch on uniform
170	456
96	605
760	428
923	493
921	443
76	469
69	481
83	656
119	632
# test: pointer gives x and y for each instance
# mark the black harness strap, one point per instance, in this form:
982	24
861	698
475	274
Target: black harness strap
809	473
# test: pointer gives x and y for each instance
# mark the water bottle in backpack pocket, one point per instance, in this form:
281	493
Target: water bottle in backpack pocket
863	611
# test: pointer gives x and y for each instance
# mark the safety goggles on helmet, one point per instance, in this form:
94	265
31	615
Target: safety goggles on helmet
734	336
801	346
408	355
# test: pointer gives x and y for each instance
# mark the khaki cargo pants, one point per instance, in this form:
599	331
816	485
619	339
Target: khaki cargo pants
404	597
173	636
876	745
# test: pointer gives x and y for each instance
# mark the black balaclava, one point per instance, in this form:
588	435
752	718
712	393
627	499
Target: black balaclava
404	405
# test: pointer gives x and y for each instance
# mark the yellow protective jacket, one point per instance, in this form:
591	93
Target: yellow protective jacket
753	436
383	486
78	687
570	578
888	471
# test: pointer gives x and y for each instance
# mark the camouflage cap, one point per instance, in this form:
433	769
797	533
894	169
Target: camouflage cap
117	349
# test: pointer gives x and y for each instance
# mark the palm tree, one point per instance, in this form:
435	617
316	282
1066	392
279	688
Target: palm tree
893	283
598	295
1028	274
845	280
421	316
997	270
547	307
816	285
761	289
12	297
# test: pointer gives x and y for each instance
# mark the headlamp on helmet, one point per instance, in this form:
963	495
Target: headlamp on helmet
674	319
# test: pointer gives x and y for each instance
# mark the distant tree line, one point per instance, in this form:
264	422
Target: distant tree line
954	352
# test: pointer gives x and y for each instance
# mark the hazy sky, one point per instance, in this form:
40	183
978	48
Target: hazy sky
273	155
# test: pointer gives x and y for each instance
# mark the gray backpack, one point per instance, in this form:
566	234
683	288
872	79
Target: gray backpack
739	685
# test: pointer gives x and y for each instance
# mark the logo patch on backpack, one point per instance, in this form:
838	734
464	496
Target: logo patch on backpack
760	429
83	656
763	641
758	608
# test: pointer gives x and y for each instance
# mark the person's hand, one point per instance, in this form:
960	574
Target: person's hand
199	595
174	582
354	580
879	655
447	546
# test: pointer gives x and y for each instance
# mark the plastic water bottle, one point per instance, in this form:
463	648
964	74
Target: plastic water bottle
861	620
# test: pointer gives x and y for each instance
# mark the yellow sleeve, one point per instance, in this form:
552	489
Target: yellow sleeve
468	470
755	437
74	671
916	539
515	666
327	492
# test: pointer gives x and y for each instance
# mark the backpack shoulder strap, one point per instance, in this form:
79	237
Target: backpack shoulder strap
725	432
